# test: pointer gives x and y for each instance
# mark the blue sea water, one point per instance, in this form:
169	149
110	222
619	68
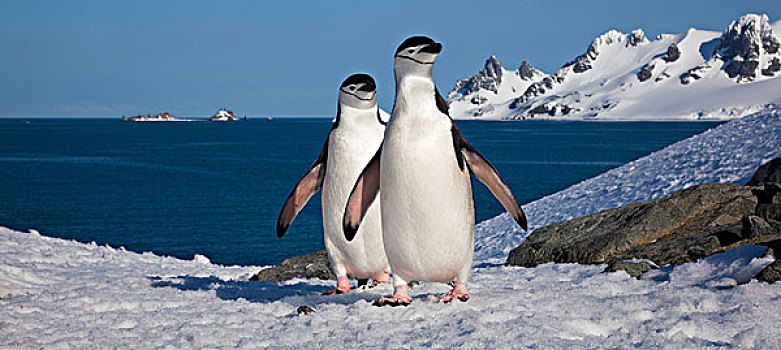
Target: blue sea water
216	188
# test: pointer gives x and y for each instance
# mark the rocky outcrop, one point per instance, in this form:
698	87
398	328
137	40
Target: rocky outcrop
658	230
488	78
773	67
689	225
315	265
693	74
768	172
673	53
742	45
646	72
526	71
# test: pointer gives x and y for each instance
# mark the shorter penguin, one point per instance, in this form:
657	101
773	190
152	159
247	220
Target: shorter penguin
356	133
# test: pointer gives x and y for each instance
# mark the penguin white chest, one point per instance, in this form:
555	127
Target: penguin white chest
351	145
427	206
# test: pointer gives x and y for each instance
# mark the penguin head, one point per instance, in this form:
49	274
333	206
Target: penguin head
358	91
416	56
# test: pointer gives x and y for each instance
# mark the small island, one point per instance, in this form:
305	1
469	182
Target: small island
160	117
223	115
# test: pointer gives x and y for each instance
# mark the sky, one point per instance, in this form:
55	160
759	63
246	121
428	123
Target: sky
288	58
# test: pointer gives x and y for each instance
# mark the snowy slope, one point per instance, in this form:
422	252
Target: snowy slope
694	75
474	95
730	152
58	294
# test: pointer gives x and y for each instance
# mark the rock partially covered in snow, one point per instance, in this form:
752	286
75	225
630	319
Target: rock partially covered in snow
315	265
746	45
768	172
772	273
684	227
487	78
492	84
689	225
223	115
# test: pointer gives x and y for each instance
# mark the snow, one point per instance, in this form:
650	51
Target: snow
56	293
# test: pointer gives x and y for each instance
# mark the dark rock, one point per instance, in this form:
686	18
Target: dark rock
772	273
755	226
315	265
673	53
645	72
581	67
487	78
740	46
636	37
770	44
673	230
306	310
478	100
772	67
526	71
582	63
634	268
768	172
693	74
744	69
769	202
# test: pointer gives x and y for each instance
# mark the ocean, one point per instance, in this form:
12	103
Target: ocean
215	189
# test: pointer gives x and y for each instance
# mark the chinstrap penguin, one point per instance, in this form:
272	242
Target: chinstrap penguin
421	173
356	133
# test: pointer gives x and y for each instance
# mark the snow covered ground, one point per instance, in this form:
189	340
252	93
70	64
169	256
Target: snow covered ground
56	293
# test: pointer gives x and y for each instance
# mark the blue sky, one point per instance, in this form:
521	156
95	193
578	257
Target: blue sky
107	58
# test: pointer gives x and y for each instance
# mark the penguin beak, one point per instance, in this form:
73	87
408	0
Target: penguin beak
434	48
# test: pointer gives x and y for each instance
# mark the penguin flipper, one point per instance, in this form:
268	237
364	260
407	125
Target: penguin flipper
362	196
488	175
309	184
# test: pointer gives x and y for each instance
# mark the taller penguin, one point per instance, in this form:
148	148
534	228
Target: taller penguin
356	133
421	173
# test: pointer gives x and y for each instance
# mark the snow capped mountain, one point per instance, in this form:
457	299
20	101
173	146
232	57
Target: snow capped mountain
693	75
493	83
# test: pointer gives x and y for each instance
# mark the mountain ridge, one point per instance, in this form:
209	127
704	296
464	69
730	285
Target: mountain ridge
693	75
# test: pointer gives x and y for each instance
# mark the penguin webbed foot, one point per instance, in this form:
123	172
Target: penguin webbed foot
379	278
463	297
342	286
400	297
392	301
337	291
458	292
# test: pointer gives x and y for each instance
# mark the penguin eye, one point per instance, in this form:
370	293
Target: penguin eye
352	87
411	50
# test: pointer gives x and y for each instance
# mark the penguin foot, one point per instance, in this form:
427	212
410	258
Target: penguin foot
458	292
342	286
336	291
453	296
400	297
392	301
382	277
